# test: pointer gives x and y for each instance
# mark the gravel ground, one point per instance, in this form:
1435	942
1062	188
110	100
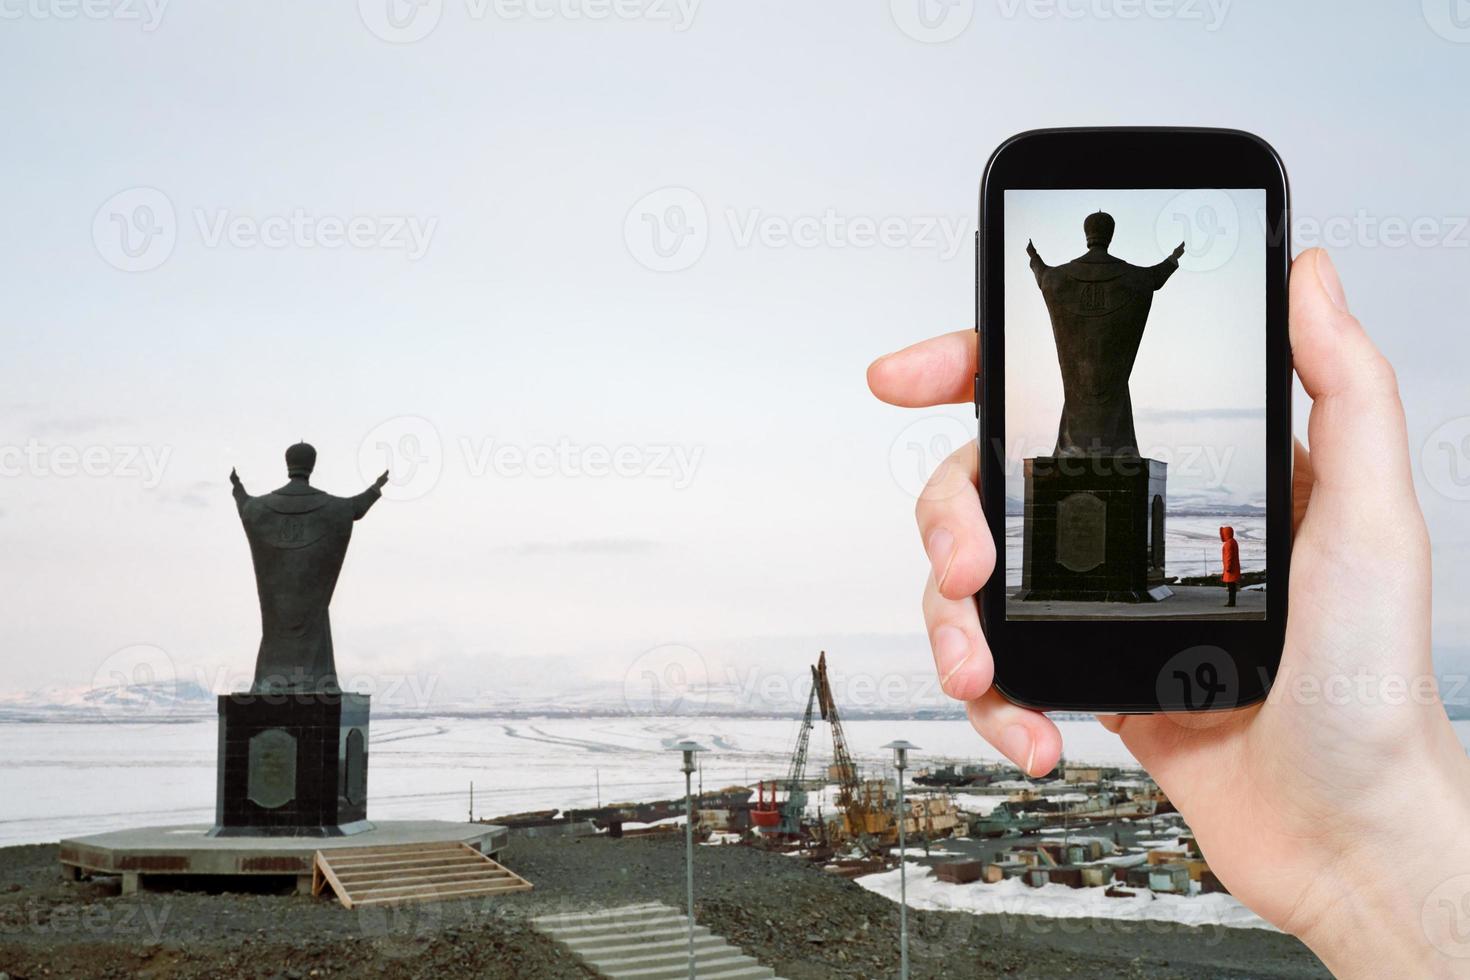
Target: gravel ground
803	922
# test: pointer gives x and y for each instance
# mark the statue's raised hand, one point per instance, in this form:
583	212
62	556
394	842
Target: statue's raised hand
234	477
381	481
1030	248
1177	253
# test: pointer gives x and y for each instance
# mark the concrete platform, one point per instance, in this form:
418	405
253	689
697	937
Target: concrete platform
1201	602
142	854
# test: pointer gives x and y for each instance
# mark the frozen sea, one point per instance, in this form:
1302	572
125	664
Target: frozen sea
1191	544
63	779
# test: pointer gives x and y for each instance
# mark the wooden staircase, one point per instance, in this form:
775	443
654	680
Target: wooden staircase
363	876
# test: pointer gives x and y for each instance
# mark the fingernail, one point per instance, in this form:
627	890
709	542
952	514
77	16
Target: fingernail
1327	275
1016	743
951	649
940	549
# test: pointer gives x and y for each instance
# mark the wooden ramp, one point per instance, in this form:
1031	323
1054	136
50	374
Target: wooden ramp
390	874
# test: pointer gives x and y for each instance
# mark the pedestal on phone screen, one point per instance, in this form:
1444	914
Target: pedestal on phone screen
1094	529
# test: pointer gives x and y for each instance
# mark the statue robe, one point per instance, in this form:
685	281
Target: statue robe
1098	306
298	538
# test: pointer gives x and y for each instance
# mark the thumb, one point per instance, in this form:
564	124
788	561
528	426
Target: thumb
1359	446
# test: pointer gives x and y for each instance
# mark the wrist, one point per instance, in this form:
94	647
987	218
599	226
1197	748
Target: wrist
1398	902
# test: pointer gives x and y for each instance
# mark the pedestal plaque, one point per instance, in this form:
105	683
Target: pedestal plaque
1094	529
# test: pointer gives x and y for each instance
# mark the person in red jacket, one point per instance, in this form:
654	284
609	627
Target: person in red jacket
1230	558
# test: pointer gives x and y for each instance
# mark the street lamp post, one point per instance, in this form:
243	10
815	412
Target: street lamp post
689	748
900	762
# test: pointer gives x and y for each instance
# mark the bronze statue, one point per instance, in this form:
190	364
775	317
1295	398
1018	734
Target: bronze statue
298	538
1098	306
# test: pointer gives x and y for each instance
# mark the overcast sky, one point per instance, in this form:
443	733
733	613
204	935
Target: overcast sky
601	290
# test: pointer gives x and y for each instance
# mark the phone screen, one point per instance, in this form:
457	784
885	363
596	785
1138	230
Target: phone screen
1135	453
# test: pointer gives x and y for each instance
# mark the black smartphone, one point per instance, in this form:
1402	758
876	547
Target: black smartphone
1134	406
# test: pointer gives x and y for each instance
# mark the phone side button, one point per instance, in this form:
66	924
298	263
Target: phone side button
977	396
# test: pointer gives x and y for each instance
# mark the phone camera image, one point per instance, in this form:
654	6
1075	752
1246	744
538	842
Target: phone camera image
1135	440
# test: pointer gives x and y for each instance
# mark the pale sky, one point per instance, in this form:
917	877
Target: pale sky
687	236
1199	383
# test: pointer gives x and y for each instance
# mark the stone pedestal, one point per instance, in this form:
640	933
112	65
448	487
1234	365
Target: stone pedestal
292	765
1094	529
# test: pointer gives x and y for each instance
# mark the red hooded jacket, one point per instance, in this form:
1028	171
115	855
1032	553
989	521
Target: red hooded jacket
1229	555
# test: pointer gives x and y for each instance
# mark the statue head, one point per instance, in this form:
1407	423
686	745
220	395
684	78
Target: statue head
1098	227
300	460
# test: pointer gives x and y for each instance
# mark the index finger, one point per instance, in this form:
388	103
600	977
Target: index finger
938	371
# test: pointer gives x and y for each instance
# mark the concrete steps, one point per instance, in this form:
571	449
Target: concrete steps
648	941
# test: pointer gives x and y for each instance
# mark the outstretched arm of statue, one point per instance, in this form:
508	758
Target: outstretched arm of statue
1166	268
368	497
1037	266
238	489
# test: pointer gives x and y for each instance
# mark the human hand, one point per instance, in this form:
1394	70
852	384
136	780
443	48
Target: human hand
1330	809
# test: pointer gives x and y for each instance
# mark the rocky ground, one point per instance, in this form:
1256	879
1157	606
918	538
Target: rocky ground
801	921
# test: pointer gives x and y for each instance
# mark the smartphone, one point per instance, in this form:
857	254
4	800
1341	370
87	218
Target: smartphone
1134	408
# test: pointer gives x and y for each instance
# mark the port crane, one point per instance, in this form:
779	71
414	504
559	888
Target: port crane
866	817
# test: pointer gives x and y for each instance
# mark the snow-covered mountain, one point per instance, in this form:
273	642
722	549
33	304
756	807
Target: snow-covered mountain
150	702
